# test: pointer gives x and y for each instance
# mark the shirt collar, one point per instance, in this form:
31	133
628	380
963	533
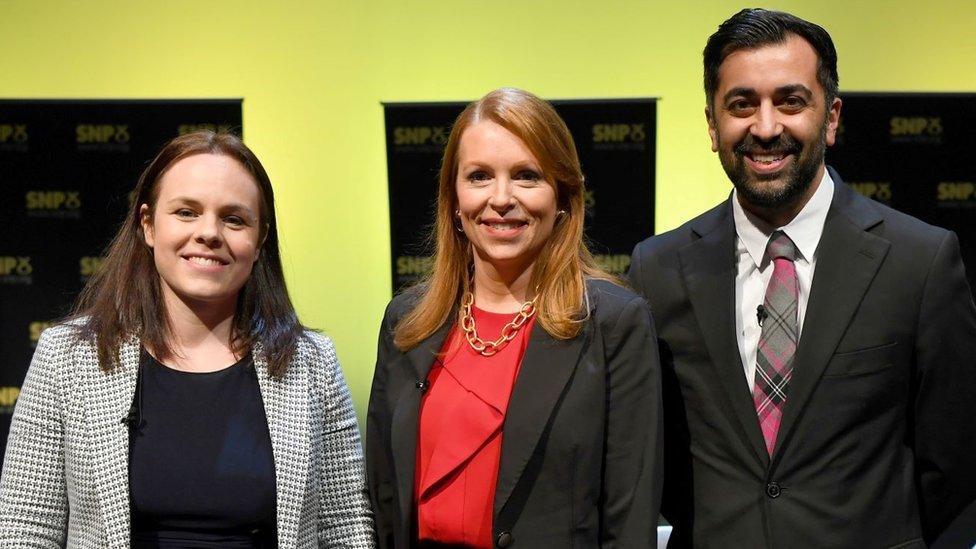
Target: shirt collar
804	230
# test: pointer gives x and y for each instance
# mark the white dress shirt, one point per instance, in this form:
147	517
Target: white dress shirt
754	270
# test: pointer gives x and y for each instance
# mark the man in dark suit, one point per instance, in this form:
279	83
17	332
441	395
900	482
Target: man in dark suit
818	348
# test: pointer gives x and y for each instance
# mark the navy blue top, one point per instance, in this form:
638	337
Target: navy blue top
201	470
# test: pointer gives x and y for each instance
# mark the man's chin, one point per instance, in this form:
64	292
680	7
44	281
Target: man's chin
771	191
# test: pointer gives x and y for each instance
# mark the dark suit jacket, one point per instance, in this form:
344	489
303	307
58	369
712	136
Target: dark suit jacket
876	447
581	451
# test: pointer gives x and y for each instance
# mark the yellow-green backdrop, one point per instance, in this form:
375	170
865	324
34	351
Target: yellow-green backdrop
313	74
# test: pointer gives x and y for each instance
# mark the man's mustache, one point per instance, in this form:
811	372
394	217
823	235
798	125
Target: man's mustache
782	144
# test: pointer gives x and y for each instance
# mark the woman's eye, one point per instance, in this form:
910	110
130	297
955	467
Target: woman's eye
479	176
234	220
528	175
184	212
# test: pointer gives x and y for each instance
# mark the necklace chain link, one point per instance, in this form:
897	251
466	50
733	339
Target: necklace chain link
509	331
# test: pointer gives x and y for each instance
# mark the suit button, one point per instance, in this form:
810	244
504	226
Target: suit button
421	384
504	539
773	490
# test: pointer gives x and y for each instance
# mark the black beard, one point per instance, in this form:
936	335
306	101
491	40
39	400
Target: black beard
798	177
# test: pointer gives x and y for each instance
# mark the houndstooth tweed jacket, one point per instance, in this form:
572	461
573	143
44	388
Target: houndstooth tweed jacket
65	476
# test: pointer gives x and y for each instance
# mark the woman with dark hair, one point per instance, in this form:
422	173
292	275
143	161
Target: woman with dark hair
184	405
516	398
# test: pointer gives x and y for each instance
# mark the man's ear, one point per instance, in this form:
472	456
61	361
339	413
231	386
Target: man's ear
712	132
833	120
145	219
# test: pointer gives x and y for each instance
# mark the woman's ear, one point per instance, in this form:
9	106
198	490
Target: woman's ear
263	239
145	219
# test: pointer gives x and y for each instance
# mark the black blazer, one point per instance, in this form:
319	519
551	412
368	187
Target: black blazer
876	447
581	451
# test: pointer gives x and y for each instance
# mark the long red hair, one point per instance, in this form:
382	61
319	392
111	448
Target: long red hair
563	264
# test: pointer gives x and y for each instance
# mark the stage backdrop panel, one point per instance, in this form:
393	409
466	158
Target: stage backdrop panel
615	139
914	152
67	170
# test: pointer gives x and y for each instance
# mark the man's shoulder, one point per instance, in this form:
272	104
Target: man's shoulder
898	227
677	238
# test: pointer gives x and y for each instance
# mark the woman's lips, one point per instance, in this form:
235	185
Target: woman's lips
205	264
504	229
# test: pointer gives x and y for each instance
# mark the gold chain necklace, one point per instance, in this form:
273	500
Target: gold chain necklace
509	331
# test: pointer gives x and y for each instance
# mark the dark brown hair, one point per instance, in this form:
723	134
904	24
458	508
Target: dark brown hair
754	28
564	262
123	298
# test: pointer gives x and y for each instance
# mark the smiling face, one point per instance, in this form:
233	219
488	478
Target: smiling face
506	205
204	229
770	124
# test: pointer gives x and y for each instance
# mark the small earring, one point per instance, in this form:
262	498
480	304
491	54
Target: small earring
560	212
457	222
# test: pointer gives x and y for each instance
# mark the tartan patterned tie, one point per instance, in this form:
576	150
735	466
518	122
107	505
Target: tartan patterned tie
777	341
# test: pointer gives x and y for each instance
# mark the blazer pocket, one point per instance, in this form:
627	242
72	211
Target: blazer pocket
861	361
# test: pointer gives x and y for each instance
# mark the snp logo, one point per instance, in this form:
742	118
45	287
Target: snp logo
103	137
589	201
53	204
410	265
13	137
190	128
35	328
8	397
16	270
878	191
89	265
619	136
916	129
13	133
420	138
956	194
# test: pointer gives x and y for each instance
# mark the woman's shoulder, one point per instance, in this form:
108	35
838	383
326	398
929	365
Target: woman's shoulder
404	302
65	336
315	346
609	294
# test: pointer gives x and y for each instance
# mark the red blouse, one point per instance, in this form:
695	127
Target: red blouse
460	439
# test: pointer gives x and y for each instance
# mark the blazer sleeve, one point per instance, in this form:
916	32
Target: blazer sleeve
379	471
33	491
632	475
945	441
345	518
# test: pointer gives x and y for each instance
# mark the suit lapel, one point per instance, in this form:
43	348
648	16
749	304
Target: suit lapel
108	399
286	408
547	366
848	258
708	268
405	414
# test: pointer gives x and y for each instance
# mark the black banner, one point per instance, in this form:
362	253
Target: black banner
615	140
67	169
914	152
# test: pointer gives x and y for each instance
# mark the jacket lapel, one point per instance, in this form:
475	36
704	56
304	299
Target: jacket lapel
286	408
108	400
548	364
848	257
708	267
405	414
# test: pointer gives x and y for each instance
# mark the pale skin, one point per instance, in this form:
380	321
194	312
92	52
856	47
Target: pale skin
205	233
766	92
507	209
